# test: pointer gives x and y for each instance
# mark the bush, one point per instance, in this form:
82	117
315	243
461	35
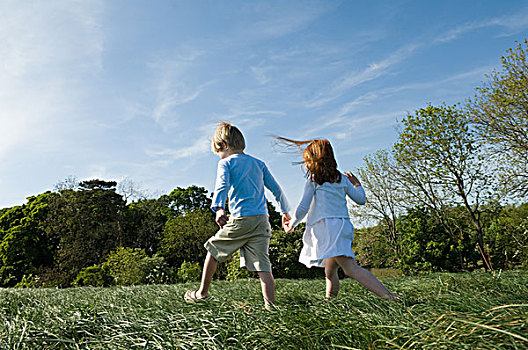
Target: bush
129	266
96	276
189	272
284	253
372	247
234	272
427	247
28	281
506	237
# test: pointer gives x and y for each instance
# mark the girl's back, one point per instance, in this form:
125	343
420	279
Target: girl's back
328	200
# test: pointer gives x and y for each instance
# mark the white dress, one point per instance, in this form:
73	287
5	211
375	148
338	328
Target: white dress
329	232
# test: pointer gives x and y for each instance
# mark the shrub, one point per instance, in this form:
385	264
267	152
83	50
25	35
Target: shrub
28	281
426	246
372	247
234	272
129	266
189	272
97	276
284	253
506	237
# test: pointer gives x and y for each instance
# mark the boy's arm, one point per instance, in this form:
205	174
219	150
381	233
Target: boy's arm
221	186
271	184
354	189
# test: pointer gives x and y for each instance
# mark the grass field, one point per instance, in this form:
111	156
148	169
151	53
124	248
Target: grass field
438	311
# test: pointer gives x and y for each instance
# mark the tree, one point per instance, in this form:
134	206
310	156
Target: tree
97	184
384	197
183	200
440	166
184	236
24	246
426	245
84	227
145	220
284	253
500	110
69	183
275	218
130	190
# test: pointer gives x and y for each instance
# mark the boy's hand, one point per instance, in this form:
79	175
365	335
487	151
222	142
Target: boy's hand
353	179
221	217
286	223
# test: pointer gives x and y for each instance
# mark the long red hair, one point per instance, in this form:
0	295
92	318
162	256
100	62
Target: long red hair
318	158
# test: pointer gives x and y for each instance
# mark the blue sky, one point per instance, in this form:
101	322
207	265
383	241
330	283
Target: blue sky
132	89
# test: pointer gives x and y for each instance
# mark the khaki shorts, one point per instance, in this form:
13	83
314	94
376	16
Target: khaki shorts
250	234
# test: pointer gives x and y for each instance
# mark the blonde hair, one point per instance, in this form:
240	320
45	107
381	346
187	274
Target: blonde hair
318	158
227	136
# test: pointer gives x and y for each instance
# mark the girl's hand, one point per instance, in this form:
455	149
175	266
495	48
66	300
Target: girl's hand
288	227
352	178
285	219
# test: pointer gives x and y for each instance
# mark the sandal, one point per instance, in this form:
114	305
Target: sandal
190	297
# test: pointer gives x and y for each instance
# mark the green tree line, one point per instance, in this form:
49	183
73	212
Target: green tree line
87	234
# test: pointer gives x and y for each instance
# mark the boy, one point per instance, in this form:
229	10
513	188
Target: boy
242	179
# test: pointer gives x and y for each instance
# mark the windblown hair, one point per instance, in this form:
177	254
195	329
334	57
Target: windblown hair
227	136
318	158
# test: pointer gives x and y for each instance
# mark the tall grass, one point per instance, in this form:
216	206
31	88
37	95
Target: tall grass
438	311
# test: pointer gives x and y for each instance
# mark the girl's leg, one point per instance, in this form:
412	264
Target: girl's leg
332	279
209	269
268	287
363	276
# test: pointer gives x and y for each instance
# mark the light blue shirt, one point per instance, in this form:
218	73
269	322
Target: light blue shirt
327	200
243	178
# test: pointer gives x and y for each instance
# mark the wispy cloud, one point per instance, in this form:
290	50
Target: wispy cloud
472	75
355	78
285	18
340	86
343	118
173	96
260	73
171	87
513	23
199	147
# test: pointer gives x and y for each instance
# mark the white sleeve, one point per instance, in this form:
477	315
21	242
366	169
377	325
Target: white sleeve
357	194
304	204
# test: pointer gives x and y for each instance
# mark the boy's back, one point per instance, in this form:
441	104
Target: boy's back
242	178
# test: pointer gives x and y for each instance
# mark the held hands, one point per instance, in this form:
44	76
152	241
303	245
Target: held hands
286	223
352	178
221	217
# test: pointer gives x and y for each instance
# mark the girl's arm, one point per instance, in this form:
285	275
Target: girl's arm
304	204
354	189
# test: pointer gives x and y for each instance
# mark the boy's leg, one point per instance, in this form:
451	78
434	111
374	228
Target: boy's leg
332	279
209	269
363	276
268	287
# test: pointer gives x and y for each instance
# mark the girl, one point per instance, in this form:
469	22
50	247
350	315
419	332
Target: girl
327	240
